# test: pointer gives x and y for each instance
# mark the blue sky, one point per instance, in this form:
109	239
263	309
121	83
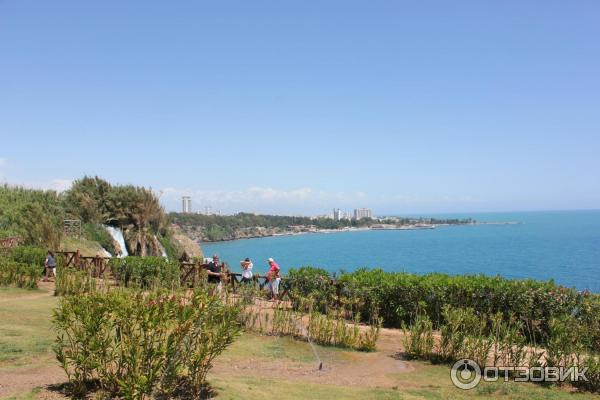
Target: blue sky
301	106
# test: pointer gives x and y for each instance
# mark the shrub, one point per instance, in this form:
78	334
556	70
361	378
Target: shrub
592	363
145	272
20	275
463	335
70	281
509	343
396	296
29	255
418	338
134	344
314	283
35	216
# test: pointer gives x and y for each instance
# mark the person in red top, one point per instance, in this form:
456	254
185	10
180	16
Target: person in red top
273	278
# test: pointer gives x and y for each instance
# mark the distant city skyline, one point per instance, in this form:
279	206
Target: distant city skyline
299	108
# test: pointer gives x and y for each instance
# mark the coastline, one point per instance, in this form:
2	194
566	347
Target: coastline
375	227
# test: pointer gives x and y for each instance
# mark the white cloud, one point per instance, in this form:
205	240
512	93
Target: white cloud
307	201
59	185
262	199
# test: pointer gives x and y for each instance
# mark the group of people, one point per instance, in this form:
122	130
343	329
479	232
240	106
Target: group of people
273	276
214	271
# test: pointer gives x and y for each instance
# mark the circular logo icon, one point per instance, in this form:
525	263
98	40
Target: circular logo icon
465	374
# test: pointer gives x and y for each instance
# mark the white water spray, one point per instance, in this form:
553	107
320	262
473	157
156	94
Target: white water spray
163	252
117	236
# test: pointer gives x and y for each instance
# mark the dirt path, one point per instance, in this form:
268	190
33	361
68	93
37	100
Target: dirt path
23	380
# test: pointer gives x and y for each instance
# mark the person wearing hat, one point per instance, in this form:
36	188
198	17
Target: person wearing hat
246	270
273	278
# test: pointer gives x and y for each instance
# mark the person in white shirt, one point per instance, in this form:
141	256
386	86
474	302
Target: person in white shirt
246	270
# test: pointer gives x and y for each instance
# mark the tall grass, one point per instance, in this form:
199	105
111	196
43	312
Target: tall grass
70	281
20	275
329	329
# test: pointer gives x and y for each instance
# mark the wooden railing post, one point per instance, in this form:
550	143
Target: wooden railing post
77	259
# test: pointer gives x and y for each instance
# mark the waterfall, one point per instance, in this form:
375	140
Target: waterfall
163	252
117	236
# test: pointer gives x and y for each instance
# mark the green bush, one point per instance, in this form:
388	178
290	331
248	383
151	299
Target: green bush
593	374
395	296
418	339
134	345
35	216
29	255
20	275
464	335
313	283
70	281
146	272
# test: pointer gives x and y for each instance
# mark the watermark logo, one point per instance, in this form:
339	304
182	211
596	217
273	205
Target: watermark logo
467	374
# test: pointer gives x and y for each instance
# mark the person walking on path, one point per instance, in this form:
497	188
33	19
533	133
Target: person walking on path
50	266
273	278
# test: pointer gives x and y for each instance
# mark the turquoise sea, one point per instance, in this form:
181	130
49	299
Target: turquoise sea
559	245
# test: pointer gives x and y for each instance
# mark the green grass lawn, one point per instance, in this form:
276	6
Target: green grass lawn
273	347
8	293
430	383
26	337
26	333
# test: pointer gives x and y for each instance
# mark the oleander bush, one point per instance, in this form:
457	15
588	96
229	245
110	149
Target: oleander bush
13	273
463	335
145	272
418	338
131	344
592	363
397	296
314	283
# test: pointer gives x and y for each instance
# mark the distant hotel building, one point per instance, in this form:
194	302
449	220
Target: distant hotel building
186	204
337	214
360	213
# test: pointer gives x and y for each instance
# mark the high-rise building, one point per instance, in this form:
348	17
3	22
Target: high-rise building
360	213
186	204
337	214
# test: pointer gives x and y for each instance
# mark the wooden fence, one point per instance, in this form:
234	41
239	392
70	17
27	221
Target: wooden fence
190	272
97	265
